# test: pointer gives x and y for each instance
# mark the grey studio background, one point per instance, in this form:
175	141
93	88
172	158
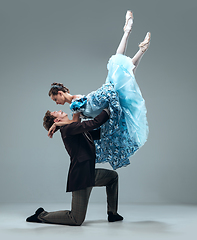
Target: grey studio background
43	41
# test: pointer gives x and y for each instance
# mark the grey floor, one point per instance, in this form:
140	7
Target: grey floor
141	221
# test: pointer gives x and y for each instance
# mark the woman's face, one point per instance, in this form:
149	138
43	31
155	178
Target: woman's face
59	98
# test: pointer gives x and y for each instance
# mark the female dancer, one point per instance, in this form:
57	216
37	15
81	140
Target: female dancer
127	129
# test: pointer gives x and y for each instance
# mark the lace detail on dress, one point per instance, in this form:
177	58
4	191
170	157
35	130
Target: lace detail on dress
115	145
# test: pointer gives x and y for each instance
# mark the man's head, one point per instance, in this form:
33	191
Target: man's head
51	117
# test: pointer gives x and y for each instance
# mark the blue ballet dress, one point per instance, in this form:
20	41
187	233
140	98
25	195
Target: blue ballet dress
127	129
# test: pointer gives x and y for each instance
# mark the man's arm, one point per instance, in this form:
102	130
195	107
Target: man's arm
96	134
76	127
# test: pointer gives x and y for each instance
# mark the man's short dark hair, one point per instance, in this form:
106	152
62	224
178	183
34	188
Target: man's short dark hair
48	120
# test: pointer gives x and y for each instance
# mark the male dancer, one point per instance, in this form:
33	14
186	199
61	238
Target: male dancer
78	140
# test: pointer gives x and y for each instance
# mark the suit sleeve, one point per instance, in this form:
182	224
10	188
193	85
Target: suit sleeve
96	134
77	127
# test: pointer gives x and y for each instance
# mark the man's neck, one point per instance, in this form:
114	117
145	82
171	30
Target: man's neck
66	121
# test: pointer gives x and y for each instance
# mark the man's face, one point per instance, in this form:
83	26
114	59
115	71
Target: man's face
61	116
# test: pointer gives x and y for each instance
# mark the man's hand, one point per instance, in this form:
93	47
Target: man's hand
107	111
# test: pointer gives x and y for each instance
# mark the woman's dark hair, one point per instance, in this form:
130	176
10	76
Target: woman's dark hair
55	87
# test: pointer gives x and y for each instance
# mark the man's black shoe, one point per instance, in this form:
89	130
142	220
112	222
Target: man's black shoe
114	217
34	218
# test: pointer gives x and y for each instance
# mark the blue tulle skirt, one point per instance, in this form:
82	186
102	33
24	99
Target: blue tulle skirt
127	129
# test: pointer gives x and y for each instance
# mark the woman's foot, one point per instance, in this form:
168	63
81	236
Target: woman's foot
128	22
145	44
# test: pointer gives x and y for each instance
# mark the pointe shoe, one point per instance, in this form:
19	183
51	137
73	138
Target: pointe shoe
145	44
129	16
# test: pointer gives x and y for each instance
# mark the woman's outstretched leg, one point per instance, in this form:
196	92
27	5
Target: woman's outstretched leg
127	29
143	46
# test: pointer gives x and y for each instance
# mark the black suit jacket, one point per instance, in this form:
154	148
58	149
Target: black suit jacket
79	144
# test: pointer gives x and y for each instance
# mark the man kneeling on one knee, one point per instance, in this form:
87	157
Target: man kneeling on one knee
78	138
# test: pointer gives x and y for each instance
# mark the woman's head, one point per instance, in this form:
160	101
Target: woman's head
58	93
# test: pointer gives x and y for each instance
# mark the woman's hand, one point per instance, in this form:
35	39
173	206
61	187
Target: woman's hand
52	130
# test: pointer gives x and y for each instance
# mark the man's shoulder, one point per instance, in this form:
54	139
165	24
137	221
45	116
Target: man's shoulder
68	129
67	126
